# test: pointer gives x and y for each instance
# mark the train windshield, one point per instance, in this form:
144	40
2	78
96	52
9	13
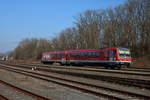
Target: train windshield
124	53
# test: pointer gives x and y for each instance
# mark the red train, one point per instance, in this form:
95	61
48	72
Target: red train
109	57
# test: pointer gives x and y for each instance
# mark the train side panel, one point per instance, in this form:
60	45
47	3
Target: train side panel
112	57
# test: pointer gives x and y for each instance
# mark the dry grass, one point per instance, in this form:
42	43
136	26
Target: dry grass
141	63
25	61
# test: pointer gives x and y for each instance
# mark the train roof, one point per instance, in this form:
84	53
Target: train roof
87	50
123	48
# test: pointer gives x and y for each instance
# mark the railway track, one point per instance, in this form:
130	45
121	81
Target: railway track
3	97
93	68
124	71
123	77
138	69
86	87
20	92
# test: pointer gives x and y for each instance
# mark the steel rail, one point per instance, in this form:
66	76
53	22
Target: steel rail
126	81
126	71
2	97
147	97
34	95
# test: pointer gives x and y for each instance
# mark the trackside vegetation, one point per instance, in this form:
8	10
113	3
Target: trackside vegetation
127	25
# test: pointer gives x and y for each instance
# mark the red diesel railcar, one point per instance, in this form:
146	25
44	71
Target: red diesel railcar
109	57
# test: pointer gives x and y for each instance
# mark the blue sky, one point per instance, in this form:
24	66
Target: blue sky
20	19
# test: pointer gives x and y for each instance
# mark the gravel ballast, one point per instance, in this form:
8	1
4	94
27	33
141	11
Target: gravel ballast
48	89
13	94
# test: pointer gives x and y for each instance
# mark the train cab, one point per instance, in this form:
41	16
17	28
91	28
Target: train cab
124	56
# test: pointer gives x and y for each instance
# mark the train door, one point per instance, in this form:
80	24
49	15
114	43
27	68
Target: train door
63	59
111	55
68	58
106	56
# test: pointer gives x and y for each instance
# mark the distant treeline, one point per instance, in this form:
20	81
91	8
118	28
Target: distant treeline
127	25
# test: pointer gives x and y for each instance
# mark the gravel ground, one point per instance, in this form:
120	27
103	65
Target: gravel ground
54	91
120	75
13	94
58	92
103	83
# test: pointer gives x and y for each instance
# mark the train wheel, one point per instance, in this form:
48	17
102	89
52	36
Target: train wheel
106	67
128	66
43	62
112	67
109	67
118	67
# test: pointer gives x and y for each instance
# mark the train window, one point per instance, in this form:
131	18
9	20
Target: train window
60	55
63	55
86	54
92	54
71	54
79	54
55	55
51	55
112	53
75	54
82	54
106	53
89	54
97	54
101	54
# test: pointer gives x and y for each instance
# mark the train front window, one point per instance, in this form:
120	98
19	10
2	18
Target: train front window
124	56
124	53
